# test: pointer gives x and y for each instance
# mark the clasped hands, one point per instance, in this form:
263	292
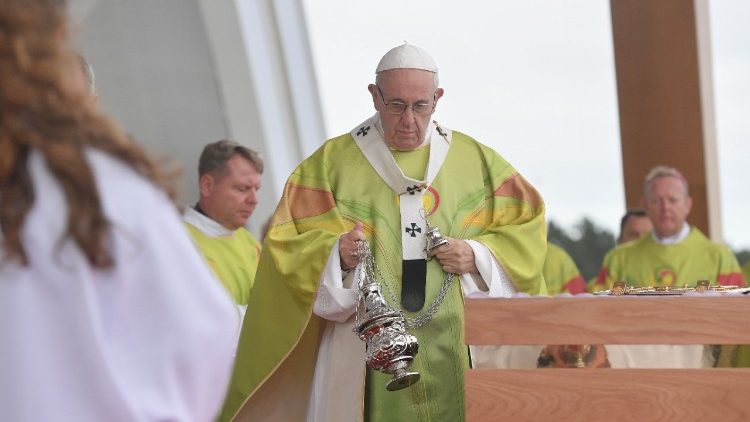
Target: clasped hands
456	256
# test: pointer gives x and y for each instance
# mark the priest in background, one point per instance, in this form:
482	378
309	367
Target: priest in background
674	254
634	224
229	181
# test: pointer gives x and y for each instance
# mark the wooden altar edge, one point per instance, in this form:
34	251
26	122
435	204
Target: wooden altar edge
607	395
609	320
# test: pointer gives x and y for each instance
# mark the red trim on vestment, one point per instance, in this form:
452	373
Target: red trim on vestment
601	278
731	279
305	201
576	285
517	187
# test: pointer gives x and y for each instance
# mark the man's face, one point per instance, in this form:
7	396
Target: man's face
667	204
404	131
635	227
230	197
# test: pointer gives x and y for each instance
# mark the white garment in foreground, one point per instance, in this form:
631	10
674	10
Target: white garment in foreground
149	340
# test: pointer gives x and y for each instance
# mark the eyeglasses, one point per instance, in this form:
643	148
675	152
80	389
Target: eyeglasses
421	109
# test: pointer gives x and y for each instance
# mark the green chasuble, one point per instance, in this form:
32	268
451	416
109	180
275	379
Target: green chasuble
233	259
646	263
561	273
476	195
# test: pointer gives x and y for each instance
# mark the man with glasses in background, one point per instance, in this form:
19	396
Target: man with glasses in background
393	177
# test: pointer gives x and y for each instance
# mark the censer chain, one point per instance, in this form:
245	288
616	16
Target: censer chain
372	272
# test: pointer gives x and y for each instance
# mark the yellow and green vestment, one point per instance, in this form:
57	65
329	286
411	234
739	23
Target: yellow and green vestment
233	259
476	195
561	273
647	263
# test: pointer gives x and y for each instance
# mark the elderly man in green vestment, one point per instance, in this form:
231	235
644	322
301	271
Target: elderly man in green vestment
673	254
298	359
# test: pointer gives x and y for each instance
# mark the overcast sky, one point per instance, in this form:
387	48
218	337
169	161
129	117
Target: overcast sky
731	58
535	80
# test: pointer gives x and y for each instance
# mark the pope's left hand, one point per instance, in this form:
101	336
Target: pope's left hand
456	256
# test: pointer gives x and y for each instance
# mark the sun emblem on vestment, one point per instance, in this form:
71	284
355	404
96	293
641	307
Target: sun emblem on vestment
430	200
666	276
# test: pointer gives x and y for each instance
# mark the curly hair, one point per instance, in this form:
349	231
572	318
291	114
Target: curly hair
41	110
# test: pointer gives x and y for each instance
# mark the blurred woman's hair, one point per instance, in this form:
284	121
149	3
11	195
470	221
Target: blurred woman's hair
44	109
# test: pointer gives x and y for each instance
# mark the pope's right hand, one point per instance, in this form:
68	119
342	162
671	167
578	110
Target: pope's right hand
349	247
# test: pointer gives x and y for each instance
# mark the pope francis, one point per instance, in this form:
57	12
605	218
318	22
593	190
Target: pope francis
384	181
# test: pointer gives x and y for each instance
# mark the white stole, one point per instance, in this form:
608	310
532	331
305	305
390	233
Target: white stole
374	148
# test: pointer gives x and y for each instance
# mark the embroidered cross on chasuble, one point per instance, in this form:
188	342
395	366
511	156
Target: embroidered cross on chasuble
411	192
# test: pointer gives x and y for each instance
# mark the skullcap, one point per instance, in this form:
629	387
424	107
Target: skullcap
407	56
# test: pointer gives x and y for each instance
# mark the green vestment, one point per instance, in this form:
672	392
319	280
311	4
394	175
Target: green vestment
646	263
476	195
233	259
561	273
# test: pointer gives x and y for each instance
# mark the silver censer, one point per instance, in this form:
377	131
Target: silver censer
390	348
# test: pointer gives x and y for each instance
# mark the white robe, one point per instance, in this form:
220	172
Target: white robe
149	339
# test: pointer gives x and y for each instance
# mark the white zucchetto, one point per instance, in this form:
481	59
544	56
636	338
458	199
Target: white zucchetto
407	56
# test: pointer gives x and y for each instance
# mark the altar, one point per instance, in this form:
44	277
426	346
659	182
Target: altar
690	390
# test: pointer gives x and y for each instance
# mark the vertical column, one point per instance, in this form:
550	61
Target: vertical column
264	69
662	60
